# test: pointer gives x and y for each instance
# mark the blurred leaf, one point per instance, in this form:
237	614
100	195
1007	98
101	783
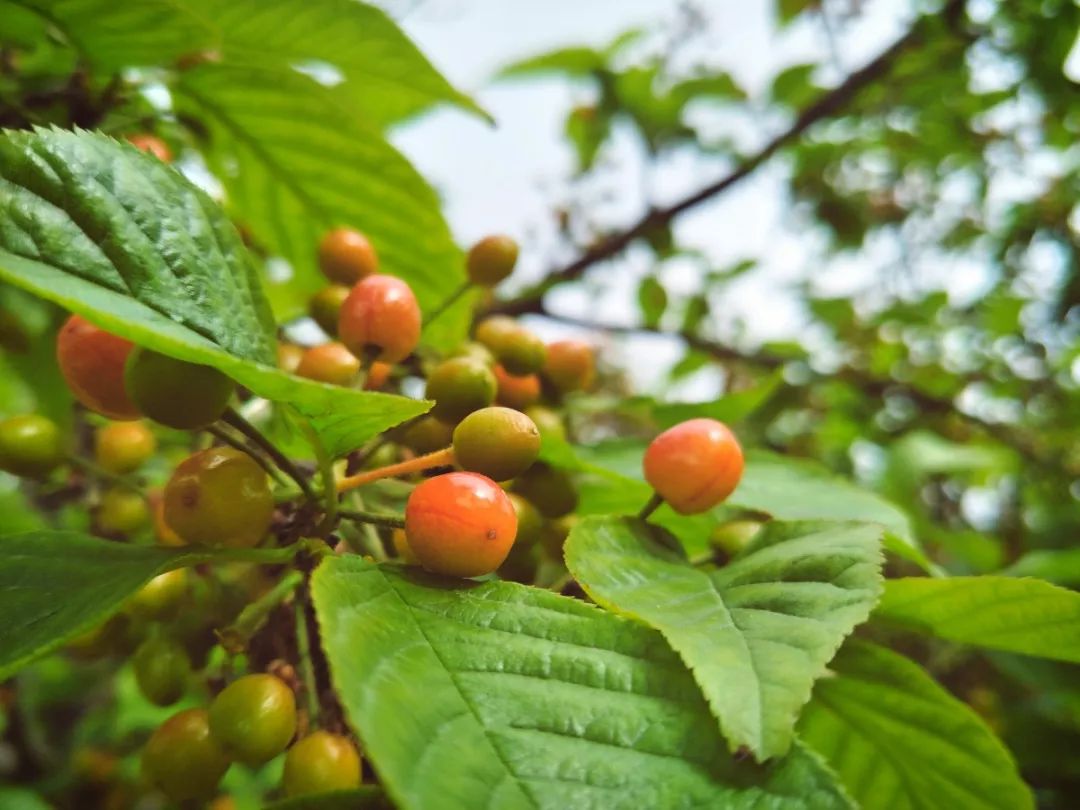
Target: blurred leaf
368	797
56	585
899	741
383	76
587	128
922	453
730	408
21	799
295	164
694	312
788	10
573	62
540	701
719	85
1060	566
756	633
794	87
653	300
1025	616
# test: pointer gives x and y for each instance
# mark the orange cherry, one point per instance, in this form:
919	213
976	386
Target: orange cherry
694	465
92	363
380	317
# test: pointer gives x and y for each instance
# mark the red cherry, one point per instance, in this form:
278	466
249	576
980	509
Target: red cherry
380	316
92	363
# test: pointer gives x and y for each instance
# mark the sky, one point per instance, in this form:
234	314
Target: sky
503	178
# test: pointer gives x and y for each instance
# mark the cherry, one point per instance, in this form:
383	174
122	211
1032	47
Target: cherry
377	376
516	392
694	465
330	363
733	536
162	530
380	317
254	718
178	394
121	512
152	145
547	421
460	386
288	356
550	490
515	347
476	351
182	758
219	497
92	363
570	365
162	669
30	445
491	260
555	533
426	435
346	256
319	763
121	447
325	307
161	597
461	524
497	442
401	547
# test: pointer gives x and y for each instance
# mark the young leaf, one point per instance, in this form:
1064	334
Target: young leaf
900	742
55	585
115	235
757	633
1026	616
295	164
383	75
524	699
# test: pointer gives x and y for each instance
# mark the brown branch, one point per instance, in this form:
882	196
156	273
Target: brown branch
827	105
871	385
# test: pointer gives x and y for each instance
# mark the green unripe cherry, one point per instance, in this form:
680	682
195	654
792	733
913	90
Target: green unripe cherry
460	386
161	597
30	445
122	511
517	349
426	435
491	260
182	758
550	490
162	668
325	307
477	351
254	718
319	763
547	421
178	394
497	442
219	497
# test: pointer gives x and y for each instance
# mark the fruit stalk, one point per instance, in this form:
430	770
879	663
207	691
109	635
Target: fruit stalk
440	458
235	420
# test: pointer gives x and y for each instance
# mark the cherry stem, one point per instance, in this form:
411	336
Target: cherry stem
374	518
307	668
448	302
440	458
655	502
236	636
100	472
235	420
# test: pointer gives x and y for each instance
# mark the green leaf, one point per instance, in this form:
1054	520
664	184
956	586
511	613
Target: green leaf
1060	566
115	235
788	10
797	489
653	300
109	215
295	163
112	36
56	585
368	797
574	62
539	701
1025	616
719	85
756	633
383	77
900	742
794	86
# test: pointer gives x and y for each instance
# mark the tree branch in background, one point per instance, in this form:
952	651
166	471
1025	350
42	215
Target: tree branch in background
869	384
827	105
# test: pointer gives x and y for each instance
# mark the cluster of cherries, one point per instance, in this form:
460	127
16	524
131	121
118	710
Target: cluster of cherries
496	512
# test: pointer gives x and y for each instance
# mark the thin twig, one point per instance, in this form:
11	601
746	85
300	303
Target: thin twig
232	418
307	667
223	436
374	518
654	503
827	105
